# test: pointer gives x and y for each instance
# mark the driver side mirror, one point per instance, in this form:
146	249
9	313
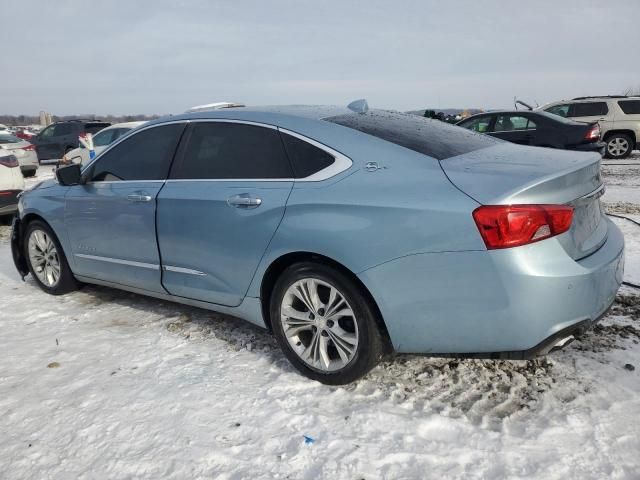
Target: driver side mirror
69	175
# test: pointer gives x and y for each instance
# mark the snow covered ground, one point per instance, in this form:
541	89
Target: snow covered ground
106	384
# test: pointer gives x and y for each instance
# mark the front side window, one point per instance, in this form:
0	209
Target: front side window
630	107
507	123
47	132
103	138
480	125
589	109
560	110
306	159
144	156
219	150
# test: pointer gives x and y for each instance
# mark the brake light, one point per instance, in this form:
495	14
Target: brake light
506	226
9	161
29	147
593	134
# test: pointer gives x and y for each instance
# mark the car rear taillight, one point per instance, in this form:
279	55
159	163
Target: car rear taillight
9	161
593	134
29	147
506	226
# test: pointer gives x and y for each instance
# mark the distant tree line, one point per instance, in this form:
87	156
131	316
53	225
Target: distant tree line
35	119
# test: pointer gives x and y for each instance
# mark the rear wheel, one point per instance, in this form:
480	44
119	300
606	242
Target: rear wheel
46	260
619	145
324	324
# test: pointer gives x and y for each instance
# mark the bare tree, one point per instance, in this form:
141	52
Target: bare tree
632	91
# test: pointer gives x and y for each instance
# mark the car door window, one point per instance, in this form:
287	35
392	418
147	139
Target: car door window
103	138
47	132
480	125
560	110
144	156
509	123
306	159
630	107
62	129
219	150
589	109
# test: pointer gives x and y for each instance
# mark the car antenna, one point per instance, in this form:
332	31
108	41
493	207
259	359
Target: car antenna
526	105
359	106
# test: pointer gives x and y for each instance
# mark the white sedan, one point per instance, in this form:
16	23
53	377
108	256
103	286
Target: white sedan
24	152
101	140
11	183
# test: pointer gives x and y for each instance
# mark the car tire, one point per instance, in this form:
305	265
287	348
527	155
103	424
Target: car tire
618	146
333	336
46	260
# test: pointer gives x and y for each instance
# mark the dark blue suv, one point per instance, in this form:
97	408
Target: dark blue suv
60	137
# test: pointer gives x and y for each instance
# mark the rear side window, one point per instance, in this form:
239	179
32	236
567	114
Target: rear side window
61	129
630	107
306	159
103	138
219	150
144	156
588	109
480	124
560	110
423	135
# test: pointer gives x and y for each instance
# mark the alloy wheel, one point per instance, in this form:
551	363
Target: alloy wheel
319	324
617	147
44	259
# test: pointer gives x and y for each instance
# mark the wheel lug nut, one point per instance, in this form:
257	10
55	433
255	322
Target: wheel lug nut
321	312
312	316
324	333
329	323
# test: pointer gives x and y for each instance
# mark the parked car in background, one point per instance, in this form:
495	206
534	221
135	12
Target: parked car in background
61	137
4	129
24	133
24	151
618	116
101	140
539	129
11	183
344	233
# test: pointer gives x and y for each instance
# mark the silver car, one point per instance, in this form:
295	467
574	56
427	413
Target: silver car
23	151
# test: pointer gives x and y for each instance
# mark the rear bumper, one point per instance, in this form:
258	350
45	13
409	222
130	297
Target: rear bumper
8	201
515	302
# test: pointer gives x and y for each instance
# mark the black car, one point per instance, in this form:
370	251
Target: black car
539	129
60	137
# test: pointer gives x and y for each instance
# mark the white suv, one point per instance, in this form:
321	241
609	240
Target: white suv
618	116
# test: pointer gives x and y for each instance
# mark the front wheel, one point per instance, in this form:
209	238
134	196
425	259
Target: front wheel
619	145
46	260
324	324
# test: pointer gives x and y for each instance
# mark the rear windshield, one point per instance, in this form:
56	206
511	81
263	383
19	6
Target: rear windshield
423	135
4	138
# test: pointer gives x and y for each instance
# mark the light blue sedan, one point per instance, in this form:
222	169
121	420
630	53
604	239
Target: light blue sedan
345	233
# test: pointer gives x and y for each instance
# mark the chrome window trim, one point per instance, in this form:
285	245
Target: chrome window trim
118	261
341	163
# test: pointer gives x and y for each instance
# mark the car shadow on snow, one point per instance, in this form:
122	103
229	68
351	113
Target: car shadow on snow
486	392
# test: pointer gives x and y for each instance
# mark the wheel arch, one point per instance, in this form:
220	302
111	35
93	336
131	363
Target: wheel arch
630	133
280	264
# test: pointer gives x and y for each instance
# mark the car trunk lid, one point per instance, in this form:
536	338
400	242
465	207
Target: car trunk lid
509	174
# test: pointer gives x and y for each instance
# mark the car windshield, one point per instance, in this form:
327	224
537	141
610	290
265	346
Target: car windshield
5	138
423	135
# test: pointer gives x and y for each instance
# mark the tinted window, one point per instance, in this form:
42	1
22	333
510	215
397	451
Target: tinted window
429	137
218	150
588	109
480	125
62	129
507	123
630	107
103	138
560	110
306	159
145	156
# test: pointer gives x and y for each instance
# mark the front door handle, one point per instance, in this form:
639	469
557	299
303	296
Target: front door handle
139	197
244	200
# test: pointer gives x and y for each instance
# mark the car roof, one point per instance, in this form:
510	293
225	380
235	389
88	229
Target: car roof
125	125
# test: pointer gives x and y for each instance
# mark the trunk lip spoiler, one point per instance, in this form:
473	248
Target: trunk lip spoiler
597	193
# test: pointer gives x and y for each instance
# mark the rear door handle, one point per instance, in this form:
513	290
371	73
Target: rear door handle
139	197
244	200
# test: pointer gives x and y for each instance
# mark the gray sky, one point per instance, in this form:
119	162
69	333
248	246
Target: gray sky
125	57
